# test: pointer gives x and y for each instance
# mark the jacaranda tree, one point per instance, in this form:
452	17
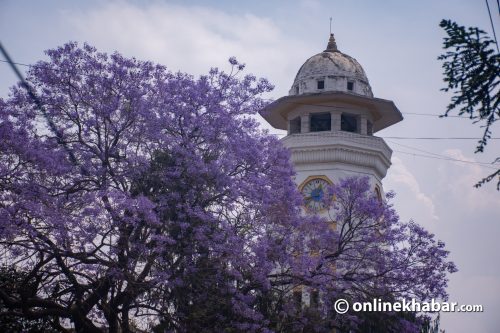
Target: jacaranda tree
139	199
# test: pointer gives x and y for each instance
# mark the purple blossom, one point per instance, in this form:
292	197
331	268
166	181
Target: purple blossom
180	213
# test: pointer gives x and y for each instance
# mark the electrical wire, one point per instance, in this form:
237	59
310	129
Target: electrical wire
442	157
435	156
446	159
492	25
408	137
434	138
430	155
270	100
38	103
346	108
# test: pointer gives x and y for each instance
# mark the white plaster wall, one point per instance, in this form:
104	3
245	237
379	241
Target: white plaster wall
332	83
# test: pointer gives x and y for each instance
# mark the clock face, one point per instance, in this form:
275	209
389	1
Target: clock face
314	192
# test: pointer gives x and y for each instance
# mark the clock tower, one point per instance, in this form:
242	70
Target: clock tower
331	116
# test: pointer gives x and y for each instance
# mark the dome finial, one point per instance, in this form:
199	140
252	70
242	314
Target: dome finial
332	45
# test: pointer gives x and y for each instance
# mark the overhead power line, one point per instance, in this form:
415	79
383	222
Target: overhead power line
32	95
271	100
440	156
409	137
73	158
431	115
18	74
432	155
492	25
428	154
446	159
433	138
346	108
15	63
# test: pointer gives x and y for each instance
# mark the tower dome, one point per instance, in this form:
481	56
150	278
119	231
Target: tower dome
335	83
331	70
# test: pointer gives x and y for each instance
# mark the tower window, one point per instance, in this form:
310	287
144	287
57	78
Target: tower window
378	194
350	86
314	299
297	298
295	125
320	122
321	84
349	123
296	90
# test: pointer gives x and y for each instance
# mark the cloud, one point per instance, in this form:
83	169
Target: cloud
310	4
476	289
459	181
400	175
192	38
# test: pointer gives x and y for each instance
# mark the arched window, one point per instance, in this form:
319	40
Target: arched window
350	85
349	123
378	193
314	299
319	122
297	297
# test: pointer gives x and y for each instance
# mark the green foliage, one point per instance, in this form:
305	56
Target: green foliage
472	73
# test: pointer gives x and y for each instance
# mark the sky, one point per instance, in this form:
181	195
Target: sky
396	42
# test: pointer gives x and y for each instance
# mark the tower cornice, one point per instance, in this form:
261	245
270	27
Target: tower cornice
384	112
367	152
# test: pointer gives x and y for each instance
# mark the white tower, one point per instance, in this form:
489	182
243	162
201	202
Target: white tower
330	115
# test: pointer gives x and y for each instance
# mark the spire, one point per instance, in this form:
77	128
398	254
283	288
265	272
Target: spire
332	45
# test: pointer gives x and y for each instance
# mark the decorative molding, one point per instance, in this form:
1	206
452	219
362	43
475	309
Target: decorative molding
308	179
341	147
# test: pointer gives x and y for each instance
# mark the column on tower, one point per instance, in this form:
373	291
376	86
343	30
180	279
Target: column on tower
363	128
336	120
304	118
